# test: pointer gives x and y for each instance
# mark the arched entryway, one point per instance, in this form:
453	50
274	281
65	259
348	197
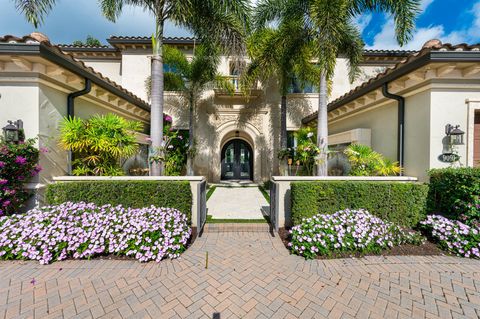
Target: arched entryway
237	160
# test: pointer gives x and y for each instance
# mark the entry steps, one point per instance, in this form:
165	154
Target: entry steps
236	227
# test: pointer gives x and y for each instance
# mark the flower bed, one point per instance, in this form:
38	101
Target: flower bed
347	231
80	230
453	236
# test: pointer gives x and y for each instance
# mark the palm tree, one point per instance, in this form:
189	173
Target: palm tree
192	78
280	53
331	31
34	10
223	22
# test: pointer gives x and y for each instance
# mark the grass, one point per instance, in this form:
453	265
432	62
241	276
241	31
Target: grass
264	192
210	191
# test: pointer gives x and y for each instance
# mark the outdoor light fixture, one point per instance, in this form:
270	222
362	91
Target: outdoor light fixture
455	134
11	131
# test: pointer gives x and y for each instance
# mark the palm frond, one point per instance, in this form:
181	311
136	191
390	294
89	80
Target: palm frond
34	10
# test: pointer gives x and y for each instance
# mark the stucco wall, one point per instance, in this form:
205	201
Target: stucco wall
109	68
383	122
135	70
449	107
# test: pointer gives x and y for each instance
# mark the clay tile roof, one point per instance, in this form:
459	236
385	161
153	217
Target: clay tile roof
374	82
102	80
147	40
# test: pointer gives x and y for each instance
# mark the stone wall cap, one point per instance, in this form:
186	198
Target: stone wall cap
127	178
345	178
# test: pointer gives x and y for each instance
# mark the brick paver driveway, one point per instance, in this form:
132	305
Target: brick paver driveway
250	274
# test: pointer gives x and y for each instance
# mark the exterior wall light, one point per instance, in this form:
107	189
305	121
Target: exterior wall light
455	134
12	131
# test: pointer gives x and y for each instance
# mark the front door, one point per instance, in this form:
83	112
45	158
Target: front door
237	160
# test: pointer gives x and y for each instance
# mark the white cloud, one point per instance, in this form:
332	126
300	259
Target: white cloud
362	21
385	39
424	4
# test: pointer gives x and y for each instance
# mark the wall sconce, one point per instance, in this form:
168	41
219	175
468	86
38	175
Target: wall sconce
12	131
455	134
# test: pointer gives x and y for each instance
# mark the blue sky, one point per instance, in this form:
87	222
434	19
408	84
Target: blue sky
452	21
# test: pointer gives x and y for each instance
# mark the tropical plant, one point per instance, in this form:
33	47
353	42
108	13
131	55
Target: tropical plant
329	29
365	161
90	41
222	22
192	78
307	152
99	143
280	53
18	164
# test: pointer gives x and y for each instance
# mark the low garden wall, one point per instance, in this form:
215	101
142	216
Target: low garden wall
398	199
180	192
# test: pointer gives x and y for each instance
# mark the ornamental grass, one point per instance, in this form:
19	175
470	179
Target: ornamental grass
453	236
83	231
347	231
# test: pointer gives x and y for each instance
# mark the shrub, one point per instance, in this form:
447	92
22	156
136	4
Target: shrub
455	193
401	203
364	161
18	164
99	143
453	236
134	194
347	231
85	230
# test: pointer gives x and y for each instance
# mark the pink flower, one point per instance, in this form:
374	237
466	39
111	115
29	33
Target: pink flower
43	150
3	181
6	203
2	164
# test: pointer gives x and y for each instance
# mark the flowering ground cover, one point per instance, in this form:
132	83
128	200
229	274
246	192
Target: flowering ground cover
81	230
453	236
355	231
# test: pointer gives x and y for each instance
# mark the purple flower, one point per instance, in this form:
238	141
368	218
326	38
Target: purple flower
6	203
3	181
21	160
2	164
168	118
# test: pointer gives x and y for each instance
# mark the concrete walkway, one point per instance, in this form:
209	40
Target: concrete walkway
237	202
250	274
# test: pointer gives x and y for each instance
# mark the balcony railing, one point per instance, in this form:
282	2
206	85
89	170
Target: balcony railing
234	88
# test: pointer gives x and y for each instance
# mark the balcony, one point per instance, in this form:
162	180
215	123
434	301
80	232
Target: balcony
233	88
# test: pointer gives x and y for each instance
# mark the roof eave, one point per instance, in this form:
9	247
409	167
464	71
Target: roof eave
44	51
429	57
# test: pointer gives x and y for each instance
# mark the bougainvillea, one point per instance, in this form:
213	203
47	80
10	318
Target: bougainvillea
18	164
347	231
80	230
453	236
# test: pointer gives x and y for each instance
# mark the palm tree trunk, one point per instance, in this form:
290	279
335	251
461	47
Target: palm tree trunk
190	138
156	113
322	128
283	125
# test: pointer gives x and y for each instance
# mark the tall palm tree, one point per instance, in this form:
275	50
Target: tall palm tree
224	22
331	31
192	78
280	53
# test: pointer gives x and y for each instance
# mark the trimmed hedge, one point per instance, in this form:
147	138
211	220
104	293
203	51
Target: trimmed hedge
134	194
449	185
401	203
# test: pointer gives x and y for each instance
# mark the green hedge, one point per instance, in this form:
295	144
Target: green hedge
448	185
136	194
402	203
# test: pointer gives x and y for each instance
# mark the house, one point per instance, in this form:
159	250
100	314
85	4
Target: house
237	135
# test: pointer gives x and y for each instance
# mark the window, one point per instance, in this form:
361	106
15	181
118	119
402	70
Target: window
296	87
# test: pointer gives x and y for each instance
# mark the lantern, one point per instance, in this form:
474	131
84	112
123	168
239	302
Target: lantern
11	132
455	134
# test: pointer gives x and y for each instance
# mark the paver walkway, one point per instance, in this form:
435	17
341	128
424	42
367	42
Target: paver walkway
237	202
250	274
